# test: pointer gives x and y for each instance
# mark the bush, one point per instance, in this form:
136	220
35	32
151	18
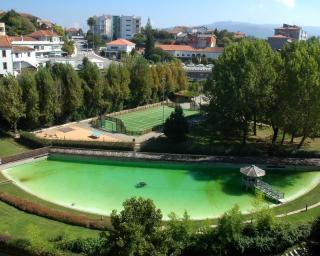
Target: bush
176	126
51	213
31	140
87	246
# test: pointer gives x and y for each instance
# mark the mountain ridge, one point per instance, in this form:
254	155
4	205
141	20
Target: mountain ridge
257	30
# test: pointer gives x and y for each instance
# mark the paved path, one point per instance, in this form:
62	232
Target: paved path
298	211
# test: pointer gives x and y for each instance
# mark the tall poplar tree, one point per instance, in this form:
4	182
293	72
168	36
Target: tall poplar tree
12	107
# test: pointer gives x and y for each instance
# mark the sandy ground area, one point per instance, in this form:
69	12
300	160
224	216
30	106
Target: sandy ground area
73	132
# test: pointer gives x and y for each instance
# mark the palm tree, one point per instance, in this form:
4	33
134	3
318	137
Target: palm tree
91	22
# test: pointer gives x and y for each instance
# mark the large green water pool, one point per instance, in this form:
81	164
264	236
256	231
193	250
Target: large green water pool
99	186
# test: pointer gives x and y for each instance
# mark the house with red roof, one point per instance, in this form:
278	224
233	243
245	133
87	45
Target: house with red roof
22	52
14	59
286	34
187	52
116	47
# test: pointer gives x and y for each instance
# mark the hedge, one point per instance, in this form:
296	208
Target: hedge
50	213
31	140
163	145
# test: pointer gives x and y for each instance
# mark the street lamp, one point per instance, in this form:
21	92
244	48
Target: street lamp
163	81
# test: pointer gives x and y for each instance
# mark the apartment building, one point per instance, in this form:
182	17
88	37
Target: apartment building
129	26
113	27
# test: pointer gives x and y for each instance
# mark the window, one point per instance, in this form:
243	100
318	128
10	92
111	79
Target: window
4	53
17	55
29	54
5	67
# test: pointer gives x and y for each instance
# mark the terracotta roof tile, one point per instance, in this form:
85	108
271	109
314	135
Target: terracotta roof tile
72	30
5	42
121	42
41	33
21	38
171	47
187	48
17	49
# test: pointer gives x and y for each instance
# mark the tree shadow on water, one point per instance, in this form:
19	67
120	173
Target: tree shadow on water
229	179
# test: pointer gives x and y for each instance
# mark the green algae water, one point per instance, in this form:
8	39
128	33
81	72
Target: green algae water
99	186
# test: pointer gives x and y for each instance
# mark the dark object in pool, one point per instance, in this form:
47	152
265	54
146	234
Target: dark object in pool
141	184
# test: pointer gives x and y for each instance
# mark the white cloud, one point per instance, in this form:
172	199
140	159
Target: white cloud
288	3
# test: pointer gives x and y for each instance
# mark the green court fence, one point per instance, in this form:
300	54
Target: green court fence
111	122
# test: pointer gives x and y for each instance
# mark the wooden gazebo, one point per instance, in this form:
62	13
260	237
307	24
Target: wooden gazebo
252	175
252	179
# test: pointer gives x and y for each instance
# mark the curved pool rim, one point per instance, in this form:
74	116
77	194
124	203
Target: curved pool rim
221	164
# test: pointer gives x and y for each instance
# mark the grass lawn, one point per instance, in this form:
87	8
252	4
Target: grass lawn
16	223
8	146
304	216
145	119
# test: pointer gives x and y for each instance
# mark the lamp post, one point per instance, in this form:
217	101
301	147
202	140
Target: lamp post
163	81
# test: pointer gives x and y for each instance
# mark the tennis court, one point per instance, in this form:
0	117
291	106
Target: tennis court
145	119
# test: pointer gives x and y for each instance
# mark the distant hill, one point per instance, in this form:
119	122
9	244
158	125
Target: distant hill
257	30
23	23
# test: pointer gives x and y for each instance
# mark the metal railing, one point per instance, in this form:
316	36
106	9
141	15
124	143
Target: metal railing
268	190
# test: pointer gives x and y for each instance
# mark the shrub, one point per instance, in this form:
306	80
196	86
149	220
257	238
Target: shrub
51	213
176	126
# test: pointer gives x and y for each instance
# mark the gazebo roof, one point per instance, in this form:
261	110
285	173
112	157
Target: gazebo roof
253	171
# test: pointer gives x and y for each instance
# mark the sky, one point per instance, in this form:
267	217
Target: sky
168	13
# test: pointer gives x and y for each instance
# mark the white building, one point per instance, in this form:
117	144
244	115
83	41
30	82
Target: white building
187	52
110	27
2	29
23	52
116	47
104	26
129	26
14	59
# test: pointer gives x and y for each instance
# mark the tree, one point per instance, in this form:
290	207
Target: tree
48	96
118	80
68	47
12	107
176	126
30	97
58	29
136	229
230	228
71	91
314	239
94	41
178	233
149	45
302	88
16	25
141	83
240	88
93	85
139	40
91	23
